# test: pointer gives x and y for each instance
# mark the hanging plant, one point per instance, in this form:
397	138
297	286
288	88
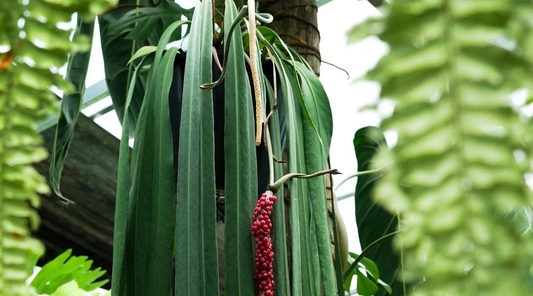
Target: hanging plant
195	152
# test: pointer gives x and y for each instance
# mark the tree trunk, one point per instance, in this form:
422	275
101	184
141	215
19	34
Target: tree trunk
296	23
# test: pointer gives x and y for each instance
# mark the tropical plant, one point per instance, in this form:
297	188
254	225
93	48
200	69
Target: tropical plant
174	152
33	48
457	170
453	183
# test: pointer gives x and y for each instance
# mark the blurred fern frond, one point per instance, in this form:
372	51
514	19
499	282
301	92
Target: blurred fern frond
32	49
458	167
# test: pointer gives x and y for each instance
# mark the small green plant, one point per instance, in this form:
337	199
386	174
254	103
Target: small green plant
68	270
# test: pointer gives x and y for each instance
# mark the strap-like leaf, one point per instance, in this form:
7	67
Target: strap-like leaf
240	167
305	271
149	238
316	147
196	261
281	264
70	108
122	199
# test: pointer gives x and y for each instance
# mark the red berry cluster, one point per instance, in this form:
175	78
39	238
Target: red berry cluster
264	256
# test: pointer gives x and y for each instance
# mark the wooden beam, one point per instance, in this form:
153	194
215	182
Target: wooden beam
89	179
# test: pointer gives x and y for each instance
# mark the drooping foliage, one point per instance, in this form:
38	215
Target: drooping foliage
299	121
123	31
458	166
32	48
71	105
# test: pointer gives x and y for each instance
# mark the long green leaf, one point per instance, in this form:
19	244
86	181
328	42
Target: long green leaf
303	275
122	199
240	167
196	261
316	160
316	103
298	206
70	108
281	264
373	221
317	125
149	238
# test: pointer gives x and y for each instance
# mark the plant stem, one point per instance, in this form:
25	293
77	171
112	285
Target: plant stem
366	250
274	187
270	155
357	175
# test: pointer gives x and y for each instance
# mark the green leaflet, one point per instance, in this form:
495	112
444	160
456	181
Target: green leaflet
373	221
454	176
70	108
65	269
196	210
143	51
149	237
240	167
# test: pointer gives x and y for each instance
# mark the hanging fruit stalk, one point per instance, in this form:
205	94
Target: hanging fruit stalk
261	229
264	256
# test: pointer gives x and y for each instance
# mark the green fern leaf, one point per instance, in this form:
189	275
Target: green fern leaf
456	175
32	48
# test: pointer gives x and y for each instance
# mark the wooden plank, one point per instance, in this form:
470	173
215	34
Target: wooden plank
89	179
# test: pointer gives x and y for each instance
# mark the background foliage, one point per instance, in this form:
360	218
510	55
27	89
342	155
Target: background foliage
373	221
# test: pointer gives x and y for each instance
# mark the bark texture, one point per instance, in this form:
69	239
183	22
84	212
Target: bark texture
296	23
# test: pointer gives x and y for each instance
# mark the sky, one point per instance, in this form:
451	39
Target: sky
348	95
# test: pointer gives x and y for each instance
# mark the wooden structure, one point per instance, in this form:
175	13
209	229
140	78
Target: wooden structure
89	179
